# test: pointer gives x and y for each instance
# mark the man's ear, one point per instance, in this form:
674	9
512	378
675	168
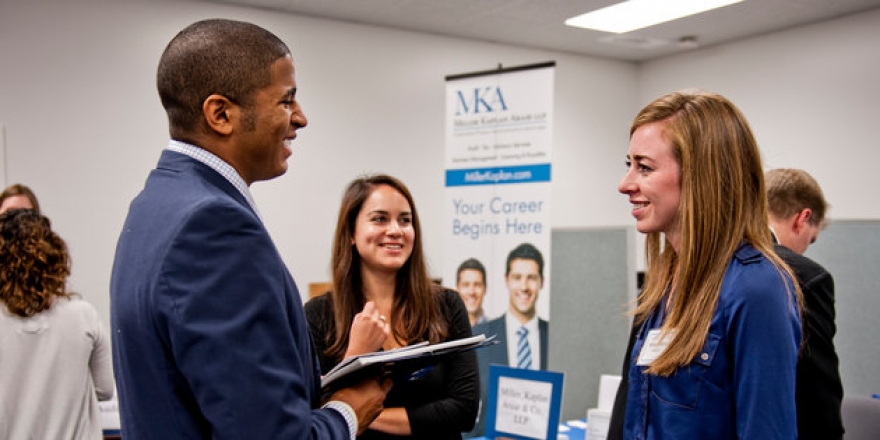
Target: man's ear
220	114
802	219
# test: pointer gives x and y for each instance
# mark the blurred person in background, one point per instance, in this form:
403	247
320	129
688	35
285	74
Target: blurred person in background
18	196
797	214
55	361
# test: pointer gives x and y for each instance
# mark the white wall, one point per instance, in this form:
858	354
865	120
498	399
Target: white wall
811	95
84	124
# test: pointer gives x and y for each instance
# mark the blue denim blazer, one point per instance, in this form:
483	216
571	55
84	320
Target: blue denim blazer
741	385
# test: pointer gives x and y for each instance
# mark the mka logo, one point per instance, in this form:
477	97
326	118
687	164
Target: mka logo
484	100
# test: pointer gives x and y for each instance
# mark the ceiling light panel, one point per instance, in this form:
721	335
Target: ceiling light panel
637	14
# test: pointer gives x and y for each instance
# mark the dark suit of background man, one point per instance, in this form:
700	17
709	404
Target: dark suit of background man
524	278
209	335
797	214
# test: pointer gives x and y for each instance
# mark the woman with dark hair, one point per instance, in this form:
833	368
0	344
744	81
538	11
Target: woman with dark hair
718	327
383	298
54	354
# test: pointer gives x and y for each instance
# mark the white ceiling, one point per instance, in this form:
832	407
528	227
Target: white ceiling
539	23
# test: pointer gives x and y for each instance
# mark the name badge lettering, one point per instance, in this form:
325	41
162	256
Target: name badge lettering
655	344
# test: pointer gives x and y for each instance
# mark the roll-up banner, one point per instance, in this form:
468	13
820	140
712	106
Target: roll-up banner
499	127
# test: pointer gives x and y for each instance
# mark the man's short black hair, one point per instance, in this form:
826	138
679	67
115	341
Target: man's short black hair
526	251
472	264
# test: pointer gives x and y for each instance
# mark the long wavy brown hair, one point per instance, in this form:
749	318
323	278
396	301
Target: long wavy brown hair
34	263
723	203
415	312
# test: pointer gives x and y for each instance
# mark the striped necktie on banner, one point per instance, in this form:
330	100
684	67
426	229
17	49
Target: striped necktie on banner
523	352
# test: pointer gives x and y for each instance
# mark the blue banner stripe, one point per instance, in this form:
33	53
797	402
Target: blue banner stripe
498	175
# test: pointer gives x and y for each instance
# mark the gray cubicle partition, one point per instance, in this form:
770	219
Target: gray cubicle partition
590	274
850	250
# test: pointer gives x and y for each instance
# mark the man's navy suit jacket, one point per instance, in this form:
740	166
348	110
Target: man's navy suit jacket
819	391
209	335
497	353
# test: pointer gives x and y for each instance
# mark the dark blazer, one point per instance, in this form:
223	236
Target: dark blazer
209	336
497	354
819	391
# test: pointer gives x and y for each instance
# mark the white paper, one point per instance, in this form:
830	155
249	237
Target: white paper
523	407
608	384
355	363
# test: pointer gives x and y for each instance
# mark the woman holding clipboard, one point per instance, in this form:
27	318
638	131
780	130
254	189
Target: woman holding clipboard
383	299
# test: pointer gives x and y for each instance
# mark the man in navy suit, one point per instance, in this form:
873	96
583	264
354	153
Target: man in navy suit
524	278
209	335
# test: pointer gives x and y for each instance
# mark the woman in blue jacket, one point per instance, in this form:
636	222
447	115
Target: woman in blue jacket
719	327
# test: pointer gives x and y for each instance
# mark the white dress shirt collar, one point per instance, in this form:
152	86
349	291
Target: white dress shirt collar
218	165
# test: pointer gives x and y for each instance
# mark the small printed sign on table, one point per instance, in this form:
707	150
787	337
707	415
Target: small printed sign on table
523	404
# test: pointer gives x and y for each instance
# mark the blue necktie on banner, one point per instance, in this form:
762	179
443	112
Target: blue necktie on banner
523	352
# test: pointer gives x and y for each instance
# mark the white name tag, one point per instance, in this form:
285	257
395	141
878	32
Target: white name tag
654	346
